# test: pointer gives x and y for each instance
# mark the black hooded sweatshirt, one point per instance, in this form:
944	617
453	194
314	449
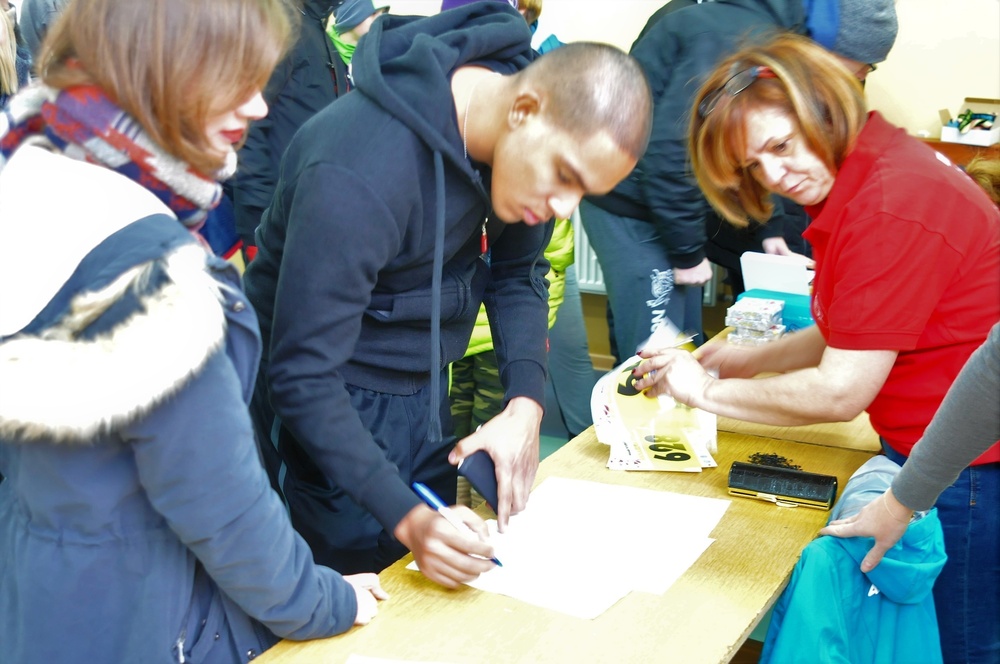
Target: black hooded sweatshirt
346	282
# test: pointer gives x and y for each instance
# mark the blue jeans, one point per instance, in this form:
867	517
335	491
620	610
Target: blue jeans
570	370
967	593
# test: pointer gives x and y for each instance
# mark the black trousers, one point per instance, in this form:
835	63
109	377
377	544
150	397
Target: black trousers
341	533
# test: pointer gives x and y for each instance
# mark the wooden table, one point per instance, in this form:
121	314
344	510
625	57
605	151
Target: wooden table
704	617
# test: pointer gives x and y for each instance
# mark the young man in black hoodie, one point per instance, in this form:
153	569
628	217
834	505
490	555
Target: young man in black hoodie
367	289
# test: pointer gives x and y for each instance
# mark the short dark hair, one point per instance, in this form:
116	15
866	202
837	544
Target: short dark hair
595	87
810	85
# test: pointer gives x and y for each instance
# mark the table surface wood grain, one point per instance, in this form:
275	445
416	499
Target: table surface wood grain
704	617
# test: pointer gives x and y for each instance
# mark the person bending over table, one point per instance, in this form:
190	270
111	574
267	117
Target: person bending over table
907	286
454	134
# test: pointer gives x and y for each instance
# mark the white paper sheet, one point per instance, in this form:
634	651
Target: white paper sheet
580	546
785	274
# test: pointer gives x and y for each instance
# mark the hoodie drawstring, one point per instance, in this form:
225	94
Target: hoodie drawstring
434	426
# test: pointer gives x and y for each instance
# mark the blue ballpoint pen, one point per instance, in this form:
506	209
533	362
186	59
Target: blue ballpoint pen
438	505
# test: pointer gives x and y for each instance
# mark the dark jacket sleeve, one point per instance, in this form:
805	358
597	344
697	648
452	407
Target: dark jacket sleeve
198	462
301	86
675	69
517	305
317	321
259	158
35	20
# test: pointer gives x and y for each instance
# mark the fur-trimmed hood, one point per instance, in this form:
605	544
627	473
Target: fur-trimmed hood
156	324
105	314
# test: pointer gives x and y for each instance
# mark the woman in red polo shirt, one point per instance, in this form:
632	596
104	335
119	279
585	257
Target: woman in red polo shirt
907	251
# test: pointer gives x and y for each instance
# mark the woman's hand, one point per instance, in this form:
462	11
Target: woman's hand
368	591
672	372
884	518
779	247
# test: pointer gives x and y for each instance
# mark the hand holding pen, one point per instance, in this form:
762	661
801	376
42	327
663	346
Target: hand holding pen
434	502
446	554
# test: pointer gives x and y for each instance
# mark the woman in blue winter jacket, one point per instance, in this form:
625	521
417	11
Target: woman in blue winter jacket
136	521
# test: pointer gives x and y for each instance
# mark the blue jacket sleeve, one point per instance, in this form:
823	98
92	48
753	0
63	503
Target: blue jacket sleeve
196	458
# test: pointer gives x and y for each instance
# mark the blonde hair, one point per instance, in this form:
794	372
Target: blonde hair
986	172
532	9
170	64
8	56
810	85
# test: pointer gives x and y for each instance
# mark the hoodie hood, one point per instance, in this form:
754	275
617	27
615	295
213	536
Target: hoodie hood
317	9
405	64
907	573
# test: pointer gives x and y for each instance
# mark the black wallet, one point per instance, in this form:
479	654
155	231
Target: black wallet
782	486
479	469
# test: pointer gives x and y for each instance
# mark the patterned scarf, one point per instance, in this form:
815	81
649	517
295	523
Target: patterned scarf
82	123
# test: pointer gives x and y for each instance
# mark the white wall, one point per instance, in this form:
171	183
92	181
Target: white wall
946	50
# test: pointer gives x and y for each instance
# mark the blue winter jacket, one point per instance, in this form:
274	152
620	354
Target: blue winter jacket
831	612
136	521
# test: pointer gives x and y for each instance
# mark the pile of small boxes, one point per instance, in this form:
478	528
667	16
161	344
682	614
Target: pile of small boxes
756	321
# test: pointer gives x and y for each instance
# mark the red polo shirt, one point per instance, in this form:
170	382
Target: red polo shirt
907	251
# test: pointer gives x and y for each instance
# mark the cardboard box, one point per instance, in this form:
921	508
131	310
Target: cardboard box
980	137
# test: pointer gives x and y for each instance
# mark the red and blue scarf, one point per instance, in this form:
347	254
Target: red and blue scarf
83	123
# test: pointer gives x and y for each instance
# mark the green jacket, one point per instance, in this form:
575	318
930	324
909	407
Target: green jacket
559	253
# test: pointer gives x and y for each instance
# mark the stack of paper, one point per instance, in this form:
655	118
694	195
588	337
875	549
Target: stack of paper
646	433
556	553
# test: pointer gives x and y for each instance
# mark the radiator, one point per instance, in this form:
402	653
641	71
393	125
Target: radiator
588	270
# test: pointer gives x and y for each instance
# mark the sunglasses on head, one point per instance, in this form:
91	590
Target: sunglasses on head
736	84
